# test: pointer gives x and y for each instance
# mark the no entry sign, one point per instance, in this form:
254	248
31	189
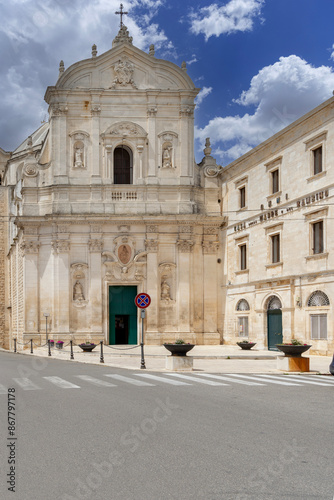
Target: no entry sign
142	300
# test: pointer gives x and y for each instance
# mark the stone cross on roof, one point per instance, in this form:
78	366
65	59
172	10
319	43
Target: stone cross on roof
121	13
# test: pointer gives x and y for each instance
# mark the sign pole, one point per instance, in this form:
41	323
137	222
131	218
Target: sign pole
142	363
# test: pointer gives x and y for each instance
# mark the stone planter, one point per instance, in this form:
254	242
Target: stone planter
87	347
293	350
246	345
179	349
59	346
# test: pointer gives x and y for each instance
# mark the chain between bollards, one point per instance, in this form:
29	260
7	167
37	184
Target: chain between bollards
49	348
101	355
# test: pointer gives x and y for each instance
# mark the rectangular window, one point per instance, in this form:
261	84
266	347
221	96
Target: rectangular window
318	326
318	237
243	326
317	160
275	180
275	248
242	197
243	257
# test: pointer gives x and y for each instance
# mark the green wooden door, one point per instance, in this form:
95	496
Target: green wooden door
122	315
274	328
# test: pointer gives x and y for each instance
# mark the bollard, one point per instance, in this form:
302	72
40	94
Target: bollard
14	345
101	356
331	367
31	349
71	342
49	348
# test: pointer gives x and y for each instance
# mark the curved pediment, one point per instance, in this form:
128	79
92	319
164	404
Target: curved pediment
125	129
123	67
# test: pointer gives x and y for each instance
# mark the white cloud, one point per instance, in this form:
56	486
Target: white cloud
281	93
332	54
236	15
203	93
37	34
192	60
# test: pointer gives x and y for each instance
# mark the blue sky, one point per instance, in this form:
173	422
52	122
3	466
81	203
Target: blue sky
261	64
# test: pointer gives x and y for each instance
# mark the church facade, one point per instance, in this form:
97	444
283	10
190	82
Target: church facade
106	201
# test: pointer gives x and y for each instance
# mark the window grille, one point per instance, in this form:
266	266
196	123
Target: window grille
318	299
318	326
274	303
243	305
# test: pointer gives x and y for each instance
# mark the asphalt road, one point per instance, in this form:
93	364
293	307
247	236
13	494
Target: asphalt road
110	438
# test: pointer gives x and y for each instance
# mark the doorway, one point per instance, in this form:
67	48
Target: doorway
274	323
122	315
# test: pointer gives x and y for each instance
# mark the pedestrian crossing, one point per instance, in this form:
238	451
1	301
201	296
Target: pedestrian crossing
174	379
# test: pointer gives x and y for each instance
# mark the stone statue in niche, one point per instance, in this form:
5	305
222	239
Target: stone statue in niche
78	157
167	157
165	290
78	291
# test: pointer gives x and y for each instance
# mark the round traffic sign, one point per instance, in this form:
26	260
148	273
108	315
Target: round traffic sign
142	300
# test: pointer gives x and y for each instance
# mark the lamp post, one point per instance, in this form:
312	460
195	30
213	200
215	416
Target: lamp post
46	315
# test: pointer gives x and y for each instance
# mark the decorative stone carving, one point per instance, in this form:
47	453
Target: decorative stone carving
78	291
95	228
94	50
152	111
95	245
186	111
61	68
167	156
122	36
167	278
79	144
30	170
79	284
210	230
78	156
209	164
185	246
124	253
152	51
185	229
58	109
168	143
124	264
152	229
124	74
125	129
59	246
95	110
30	247
210	247
151	245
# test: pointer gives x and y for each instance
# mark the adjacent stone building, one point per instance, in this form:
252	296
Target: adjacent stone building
106	200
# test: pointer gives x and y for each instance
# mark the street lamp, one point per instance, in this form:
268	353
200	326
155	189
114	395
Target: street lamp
46	325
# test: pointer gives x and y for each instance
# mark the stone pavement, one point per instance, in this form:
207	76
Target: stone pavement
207	358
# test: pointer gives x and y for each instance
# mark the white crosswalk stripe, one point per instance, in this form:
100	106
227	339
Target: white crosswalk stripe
162	379
60	382
261	378
300	378
325	379
95	381
233	381
26	384
3	389
193	379
130	380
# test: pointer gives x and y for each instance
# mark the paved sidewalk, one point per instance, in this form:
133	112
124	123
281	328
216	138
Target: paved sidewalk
211	359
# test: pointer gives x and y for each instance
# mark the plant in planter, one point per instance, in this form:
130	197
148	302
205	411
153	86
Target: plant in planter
245	344
295	348
59	344
87	346
179	348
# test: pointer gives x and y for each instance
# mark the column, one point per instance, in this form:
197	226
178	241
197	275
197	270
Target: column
184	299
210	280
31	285
152	284
95	285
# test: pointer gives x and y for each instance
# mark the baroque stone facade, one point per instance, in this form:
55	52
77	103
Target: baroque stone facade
106	201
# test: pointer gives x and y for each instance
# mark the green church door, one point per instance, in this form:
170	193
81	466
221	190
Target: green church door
122	315
274	328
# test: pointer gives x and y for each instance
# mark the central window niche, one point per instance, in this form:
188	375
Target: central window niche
123	165
124	146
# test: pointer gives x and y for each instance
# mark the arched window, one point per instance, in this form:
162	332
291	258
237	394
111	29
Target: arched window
318	299
123	165
274	303
242	305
